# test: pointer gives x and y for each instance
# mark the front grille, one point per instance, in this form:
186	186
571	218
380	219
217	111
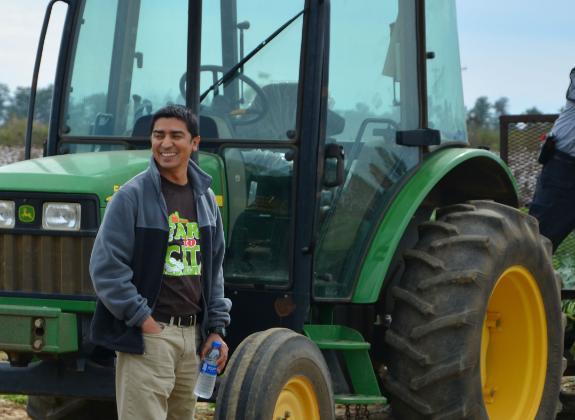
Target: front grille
56	265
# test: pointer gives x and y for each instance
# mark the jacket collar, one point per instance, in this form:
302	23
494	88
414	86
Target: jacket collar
198	179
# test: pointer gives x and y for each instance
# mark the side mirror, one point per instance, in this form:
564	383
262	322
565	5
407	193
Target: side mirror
418	137
334	165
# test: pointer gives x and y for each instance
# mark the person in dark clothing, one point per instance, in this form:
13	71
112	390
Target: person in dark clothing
156	267
554	198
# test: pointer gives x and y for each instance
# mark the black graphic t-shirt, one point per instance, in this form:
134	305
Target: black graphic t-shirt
181	284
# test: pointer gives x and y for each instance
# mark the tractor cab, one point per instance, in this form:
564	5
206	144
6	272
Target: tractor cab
303	102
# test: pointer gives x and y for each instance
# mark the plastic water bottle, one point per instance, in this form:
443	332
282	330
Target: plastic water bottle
208	372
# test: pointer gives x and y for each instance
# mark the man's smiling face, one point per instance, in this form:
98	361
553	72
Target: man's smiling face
172	146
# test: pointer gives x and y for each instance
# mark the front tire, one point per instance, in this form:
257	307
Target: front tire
477	328
273	374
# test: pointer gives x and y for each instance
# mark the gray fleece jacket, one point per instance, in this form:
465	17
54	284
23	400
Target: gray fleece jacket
128	257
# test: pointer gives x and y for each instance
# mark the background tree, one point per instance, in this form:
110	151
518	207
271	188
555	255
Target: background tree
500	107
479	115
533	111
480	127
20	102
43	104
4	102
14	114
13	132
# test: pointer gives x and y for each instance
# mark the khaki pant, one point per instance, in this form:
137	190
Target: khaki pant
159	384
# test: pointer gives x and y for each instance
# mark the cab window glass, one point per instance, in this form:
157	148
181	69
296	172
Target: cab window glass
446	111
125	66
260	184
259	101
372	94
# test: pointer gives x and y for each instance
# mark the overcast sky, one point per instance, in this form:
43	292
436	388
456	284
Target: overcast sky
521	49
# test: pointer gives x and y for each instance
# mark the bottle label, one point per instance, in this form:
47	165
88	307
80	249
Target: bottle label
209	369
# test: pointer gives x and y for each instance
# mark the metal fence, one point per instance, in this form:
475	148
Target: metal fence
520	140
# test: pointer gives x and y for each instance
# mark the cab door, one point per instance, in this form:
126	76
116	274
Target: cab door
372	94
250	115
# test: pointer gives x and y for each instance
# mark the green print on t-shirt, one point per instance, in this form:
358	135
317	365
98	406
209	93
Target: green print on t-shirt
183	248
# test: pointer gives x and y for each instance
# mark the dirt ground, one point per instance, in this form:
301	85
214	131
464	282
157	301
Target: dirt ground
13	411
10	154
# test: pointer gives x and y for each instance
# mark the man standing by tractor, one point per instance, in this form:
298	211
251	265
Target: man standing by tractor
156	267
554	197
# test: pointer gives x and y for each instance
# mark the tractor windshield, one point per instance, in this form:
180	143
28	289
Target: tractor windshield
250	69
130	58
127	61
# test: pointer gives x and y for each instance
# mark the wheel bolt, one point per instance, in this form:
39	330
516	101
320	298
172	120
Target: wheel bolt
489	394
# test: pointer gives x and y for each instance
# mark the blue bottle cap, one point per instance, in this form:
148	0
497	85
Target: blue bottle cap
216	345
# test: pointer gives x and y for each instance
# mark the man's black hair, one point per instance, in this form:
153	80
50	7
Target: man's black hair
178	112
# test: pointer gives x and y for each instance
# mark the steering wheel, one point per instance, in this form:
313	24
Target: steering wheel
237	115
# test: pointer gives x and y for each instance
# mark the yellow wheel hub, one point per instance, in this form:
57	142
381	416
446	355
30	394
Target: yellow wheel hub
514	347
297	400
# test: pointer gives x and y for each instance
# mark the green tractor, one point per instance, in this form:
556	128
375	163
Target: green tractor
372	255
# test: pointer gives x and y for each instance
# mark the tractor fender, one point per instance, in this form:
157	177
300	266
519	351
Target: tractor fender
446	176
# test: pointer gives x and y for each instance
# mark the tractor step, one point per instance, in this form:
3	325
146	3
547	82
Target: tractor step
352	399
354	350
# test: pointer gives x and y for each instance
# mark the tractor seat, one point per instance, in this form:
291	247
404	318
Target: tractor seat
143	127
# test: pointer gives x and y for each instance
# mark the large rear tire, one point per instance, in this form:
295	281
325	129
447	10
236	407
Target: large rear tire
274	374
477	327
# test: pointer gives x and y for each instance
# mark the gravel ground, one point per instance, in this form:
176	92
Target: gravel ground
10	154
12	411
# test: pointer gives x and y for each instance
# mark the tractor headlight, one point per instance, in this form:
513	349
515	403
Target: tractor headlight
61	216
7	214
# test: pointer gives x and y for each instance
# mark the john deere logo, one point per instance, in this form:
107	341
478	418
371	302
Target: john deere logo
26	213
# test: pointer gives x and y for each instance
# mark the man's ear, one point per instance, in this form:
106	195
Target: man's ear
195	143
